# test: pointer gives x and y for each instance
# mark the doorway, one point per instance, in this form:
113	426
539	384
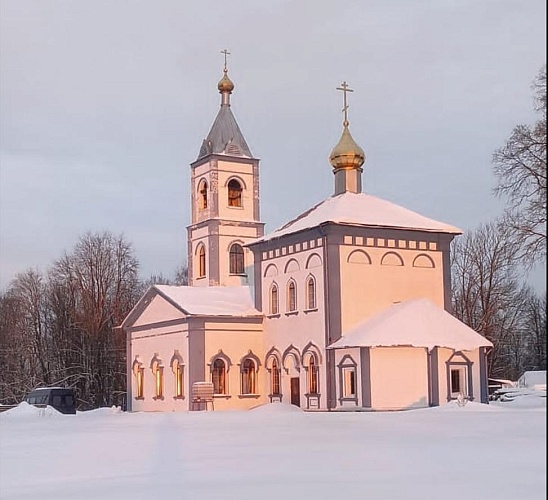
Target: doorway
295	391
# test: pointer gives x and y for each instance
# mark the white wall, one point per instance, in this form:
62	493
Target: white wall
370	288
162	343
301	327
399	378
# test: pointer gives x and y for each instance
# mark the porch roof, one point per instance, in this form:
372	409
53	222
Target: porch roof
414	323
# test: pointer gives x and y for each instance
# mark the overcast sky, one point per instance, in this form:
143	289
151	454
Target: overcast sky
105	103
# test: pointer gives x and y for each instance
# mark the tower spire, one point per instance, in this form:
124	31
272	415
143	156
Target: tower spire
347	157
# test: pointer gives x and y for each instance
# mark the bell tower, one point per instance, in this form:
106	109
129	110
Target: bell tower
224	183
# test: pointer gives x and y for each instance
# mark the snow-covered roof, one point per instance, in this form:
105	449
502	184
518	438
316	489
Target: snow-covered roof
210	300
361	209
416	323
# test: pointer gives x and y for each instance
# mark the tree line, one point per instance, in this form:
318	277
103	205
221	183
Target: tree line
489	264
58	327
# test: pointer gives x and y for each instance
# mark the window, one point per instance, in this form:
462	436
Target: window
312	376
140	376
234	194
458	381
311	293
218	376
248	377
274	299
178	372
201	262
349	387
236	254
275	378
158	372
291	296
202	192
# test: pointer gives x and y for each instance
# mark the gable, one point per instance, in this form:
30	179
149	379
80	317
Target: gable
158	310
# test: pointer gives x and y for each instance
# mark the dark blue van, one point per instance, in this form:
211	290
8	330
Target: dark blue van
60	398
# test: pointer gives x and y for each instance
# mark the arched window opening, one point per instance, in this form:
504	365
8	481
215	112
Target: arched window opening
203	194
291	296
201	262
158	372
178	372
234	194
274	301
312	376
218	376
275	378
236	255
311	293
248	377
140	377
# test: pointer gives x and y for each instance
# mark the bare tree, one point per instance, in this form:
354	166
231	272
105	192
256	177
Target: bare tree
487	294
520	166
535	316
93	289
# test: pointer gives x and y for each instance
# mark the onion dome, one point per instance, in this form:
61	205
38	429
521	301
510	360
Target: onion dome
225	84
347	154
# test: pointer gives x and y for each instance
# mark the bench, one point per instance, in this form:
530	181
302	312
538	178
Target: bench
202	393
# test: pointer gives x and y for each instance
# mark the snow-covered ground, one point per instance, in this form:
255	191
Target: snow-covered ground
495	451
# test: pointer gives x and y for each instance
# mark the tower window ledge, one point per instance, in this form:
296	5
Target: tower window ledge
178	397
310	310
249	396
201	278
222	396
292	313
238	274
236	208
273	315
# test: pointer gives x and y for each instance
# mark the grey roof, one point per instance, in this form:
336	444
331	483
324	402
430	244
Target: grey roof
225	137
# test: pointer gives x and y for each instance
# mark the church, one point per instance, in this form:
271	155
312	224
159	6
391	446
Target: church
346	307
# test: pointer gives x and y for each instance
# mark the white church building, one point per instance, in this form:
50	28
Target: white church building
344	307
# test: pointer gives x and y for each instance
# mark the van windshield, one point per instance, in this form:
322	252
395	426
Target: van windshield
37	399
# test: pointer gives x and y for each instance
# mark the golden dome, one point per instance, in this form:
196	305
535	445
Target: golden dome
347	154
225	84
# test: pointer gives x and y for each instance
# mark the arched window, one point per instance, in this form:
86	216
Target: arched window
202	190
275	378
312	376
249	378
201	261
274	301
218	376
139	373
311	293
158	372
291	296
178	373
236	254
234	194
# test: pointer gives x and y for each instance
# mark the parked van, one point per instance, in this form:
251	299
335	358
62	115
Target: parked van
60	398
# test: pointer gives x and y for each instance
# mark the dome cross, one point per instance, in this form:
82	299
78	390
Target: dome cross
345	88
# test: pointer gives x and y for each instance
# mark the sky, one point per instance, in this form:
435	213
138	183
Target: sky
103	106
492	452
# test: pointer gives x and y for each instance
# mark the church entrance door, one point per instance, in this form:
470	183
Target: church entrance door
295	392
